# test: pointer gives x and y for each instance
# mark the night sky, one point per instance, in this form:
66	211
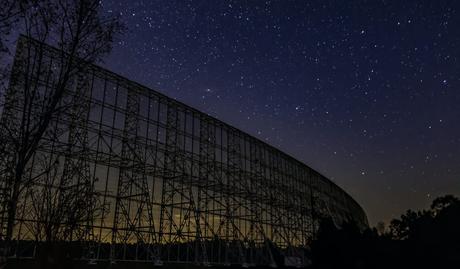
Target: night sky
365	92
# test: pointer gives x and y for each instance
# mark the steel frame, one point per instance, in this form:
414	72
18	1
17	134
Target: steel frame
174	184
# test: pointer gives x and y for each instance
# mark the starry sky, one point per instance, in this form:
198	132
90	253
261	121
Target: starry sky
365	92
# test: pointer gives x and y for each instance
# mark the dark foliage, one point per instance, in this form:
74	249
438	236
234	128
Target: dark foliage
425	239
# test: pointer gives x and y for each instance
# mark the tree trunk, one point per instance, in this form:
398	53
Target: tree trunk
12	207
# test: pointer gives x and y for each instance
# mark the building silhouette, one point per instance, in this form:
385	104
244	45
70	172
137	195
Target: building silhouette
161	181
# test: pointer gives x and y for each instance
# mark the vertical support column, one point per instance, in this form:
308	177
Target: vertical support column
133	220
172	196
207	180
258	192
234	250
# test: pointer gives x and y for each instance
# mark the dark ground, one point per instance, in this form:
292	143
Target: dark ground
31	263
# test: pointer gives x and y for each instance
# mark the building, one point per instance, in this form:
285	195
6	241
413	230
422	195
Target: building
137	175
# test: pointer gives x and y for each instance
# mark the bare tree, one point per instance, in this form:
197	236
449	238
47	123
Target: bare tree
62	212
82	35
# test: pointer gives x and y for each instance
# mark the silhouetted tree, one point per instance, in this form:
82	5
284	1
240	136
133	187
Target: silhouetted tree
82	36
338	247
443	202
423	239
63	210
